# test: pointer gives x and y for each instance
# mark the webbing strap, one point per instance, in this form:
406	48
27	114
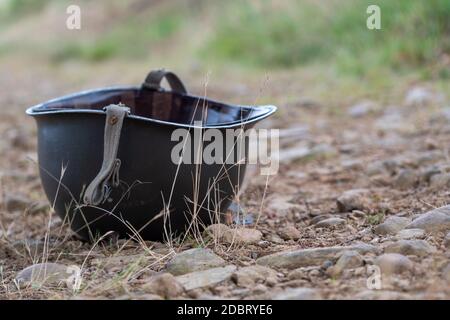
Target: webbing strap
99	189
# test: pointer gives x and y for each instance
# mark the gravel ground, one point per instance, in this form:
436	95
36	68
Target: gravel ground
357	211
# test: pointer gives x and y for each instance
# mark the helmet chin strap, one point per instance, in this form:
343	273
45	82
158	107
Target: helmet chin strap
99	189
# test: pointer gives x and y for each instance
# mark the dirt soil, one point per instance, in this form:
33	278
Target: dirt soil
392	150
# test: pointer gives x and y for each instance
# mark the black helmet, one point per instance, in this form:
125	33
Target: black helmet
105	158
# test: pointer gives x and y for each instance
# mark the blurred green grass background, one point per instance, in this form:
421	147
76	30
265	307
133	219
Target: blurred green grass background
260	34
